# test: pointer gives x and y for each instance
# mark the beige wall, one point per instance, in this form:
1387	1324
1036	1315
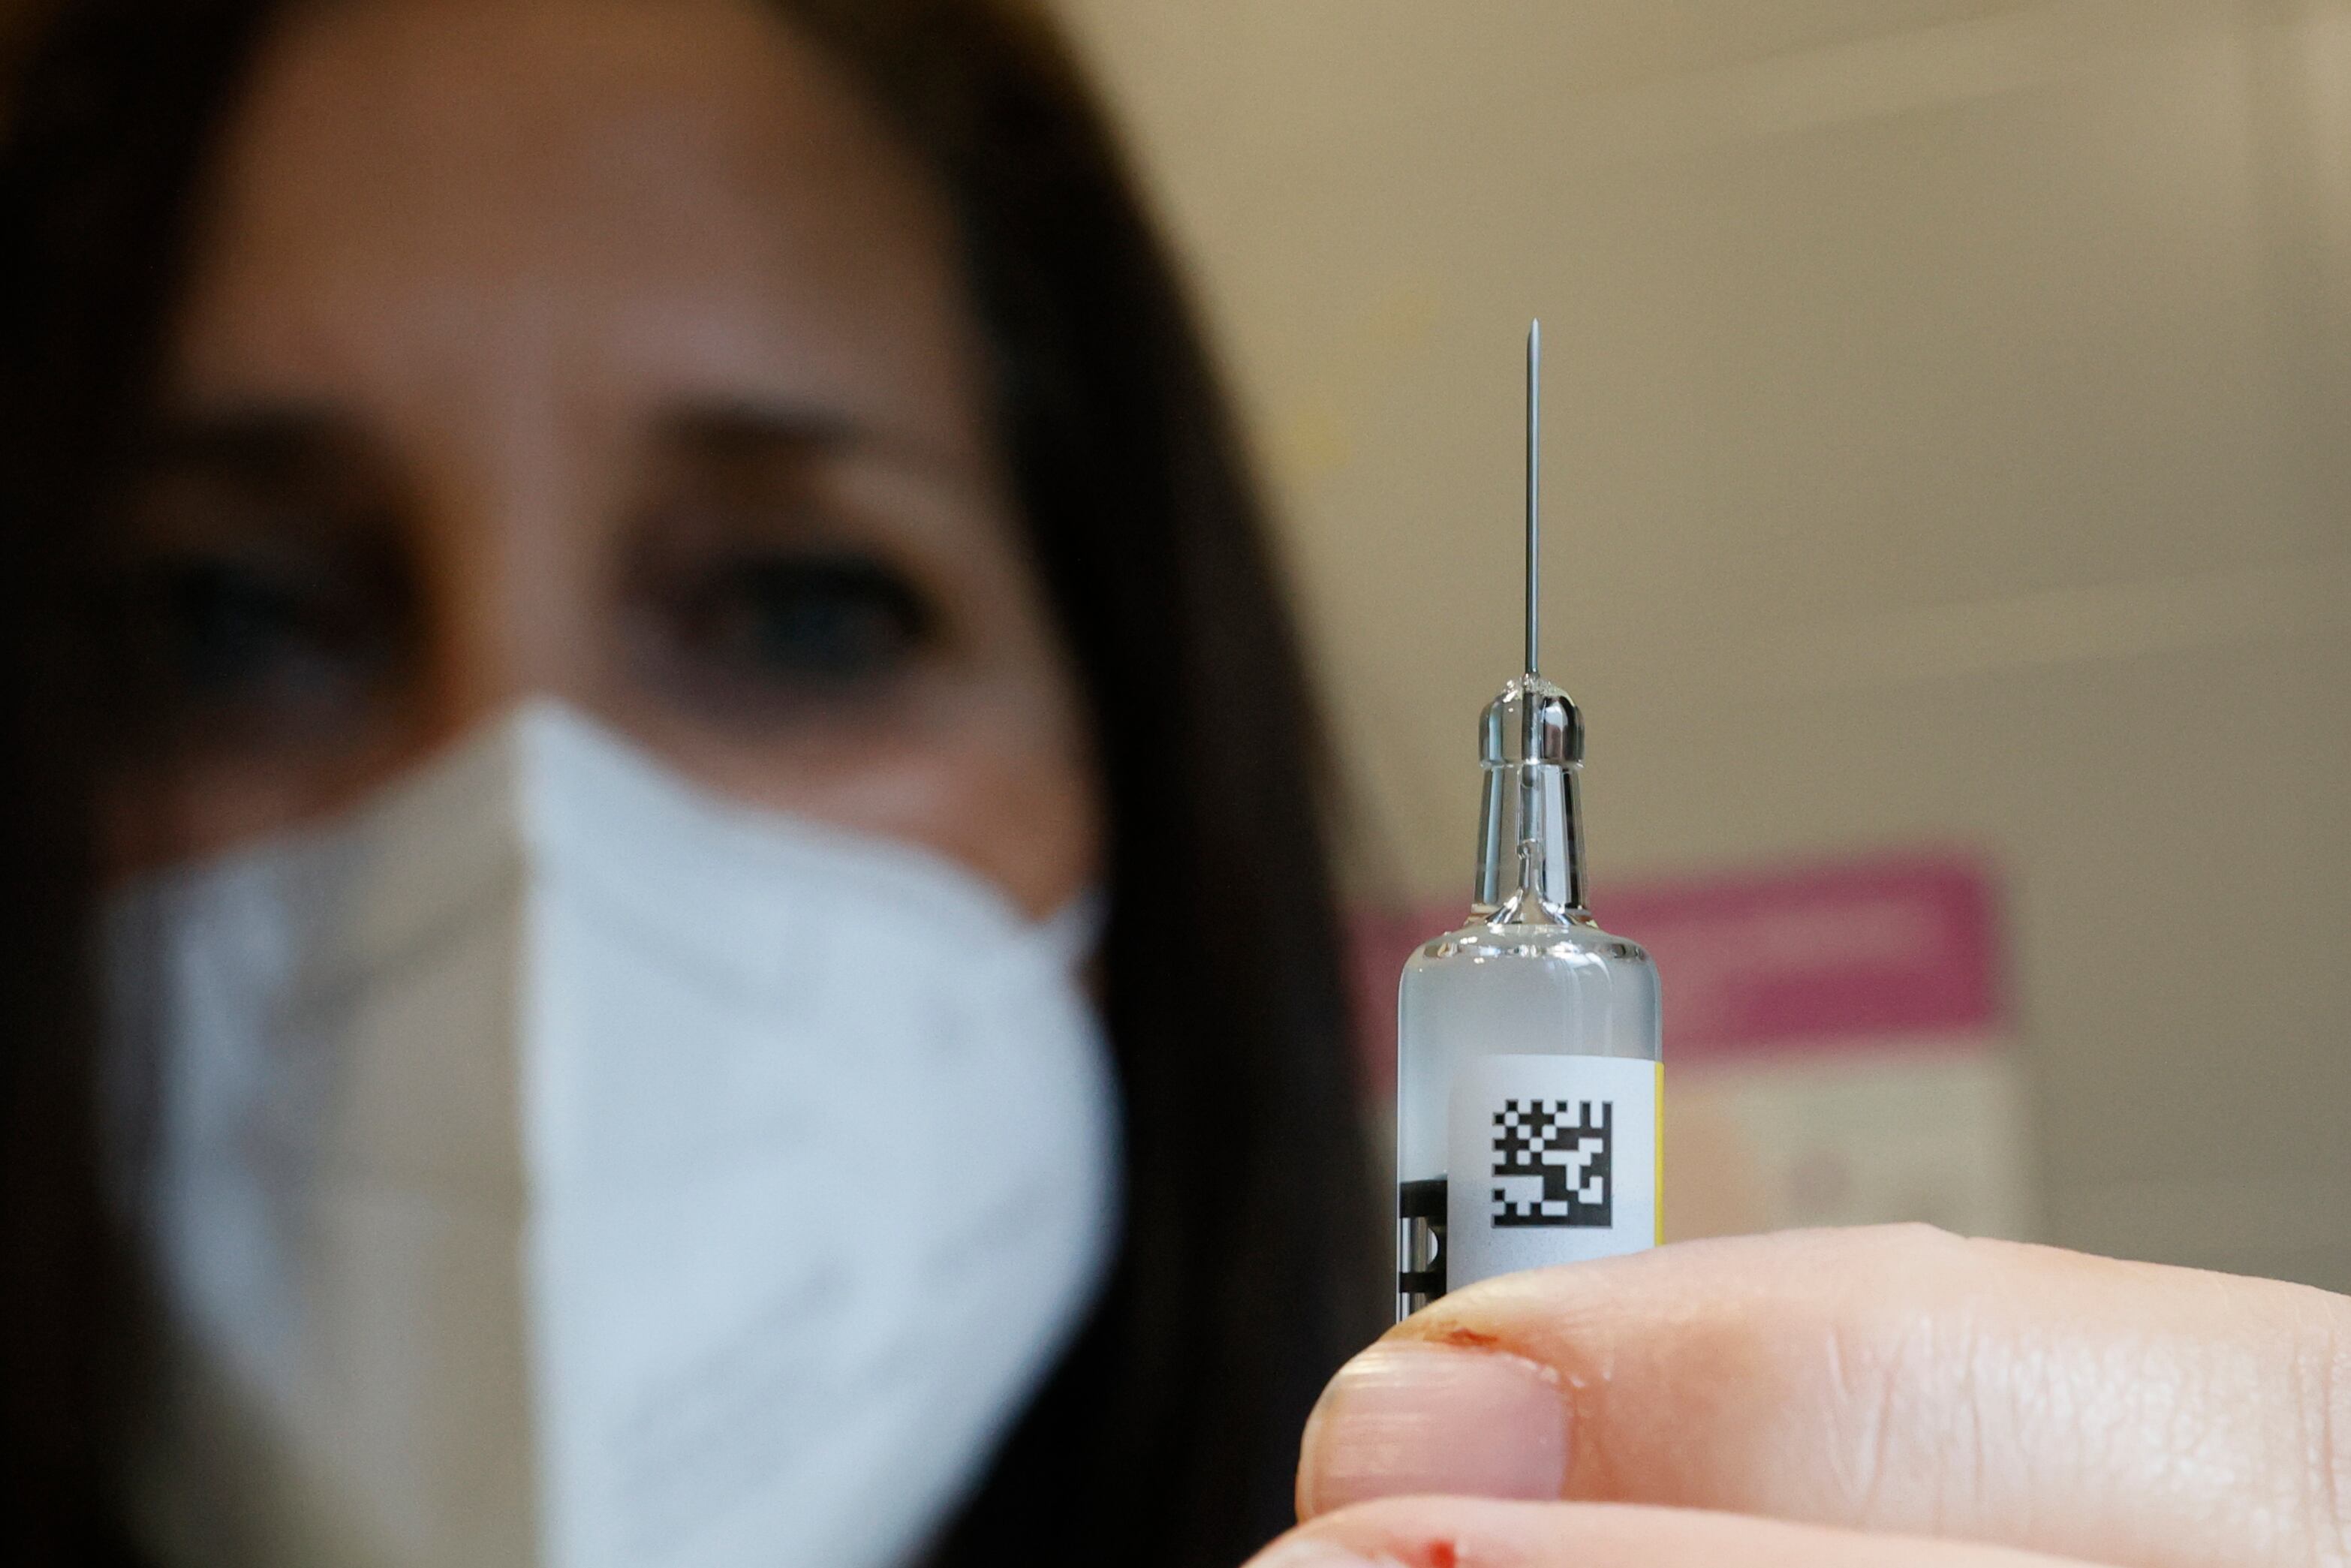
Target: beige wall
1950	441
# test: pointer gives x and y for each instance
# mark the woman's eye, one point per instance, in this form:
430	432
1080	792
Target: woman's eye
816	623
226	633
232	629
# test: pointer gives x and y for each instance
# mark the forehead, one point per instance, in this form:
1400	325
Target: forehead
467	178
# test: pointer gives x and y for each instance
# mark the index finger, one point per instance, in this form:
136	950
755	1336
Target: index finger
1897	1380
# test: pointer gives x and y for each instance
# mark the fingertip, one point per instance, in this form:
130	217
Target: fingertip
1406	1417
1310	1551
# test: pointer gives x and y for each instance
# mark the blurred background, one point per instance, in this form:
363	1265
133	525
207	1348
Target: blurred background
1948	492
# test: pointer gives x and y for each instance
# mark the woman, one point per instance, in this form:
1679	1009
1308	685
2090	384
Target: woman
423	417
660	470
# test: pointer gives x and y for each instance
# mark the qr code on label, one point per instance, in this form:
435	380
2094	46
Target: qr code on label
1551	1163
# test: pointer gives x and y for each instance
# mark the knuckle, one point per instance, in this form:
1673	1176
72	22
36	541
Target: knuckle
2324	1384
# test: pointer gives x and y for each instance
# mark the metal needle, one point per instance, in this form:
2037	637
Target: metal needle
1534	490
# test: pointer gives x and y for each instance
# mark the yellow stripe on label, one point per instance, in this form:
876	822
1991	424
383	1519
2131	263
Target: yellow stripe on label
1657	1175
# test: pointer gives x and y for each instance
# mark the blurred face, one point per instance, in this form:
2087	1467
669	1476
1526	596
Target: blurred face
604	351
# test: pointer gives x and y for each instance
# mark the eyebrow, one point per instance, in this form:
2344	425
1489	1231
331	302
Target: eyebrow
282	441
751	431
262	440
758	430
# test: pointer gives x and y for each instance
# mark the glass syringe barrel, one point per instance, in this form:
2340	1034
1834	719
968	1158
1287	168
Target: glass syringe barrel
1528	1069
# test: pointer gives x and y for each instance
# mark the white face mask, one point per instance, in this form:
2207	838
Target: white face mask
551	1164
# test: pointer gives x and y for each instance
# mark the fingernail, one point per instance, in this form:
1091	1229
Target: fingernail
1405	1418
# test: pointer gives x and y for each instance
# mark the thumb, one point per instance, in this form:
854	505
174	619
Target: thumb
1897	1380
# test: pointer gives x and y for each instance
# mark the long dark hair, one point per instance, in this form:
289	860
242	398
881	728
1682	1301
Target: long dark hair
1167	1434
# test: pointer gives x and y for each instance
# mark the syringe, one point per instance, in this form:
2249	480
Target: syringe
1528	1071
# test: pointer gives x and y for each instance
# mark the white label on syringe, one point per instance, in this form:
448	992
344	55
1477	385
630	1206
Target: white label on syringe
1548	1159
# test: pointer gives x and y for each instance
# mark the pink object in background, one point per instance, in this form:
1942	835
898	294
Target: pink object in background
1888	951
